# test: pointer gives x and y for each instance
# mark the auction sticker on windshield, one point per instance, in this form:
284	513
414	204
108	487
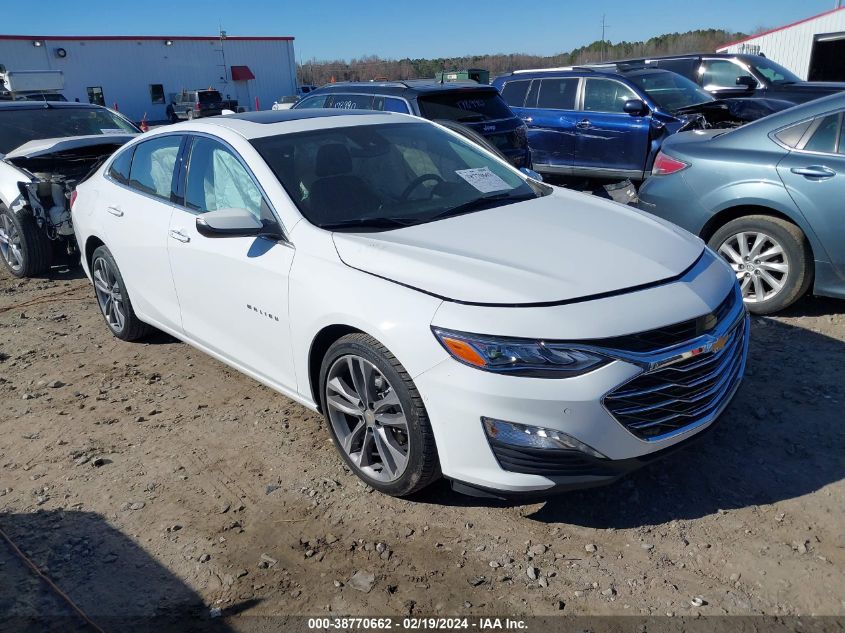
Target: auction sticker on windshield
483	179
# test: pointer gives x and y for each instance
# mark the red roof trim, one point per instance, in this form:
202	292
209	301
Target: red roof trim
781	28
175	38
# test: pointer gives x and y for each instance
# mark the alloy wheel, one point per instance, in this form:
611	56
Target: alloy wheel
367	418
759	262
10	243
109	294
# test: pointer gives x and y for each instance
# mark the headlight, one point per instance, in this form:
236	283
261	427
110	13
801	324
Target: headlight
519	357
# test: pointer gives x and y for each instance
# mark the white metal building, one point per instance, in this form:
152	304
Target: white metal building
139	73
813	48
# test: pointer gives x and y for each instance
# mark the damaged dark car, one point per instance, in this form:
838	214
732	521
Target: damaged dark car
46	149
610	122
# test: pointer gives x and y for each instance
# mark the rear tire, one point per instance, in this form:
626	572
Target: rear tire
24	247
376	416
113	298
776	267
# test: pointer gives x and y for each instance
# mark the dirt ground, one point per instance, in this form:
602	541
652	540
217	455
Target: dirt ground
148	479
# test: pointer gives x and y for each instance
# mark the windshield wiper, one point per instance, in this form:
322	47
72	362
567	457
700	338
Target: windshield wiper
367	223
479	203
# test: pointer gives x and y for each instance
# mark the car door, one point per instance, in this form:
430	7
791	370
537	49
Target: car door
610	142
138	205
549	112
233	291
814	175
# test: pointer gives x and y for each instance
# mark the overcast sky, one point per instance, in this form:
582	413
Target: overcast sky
330	29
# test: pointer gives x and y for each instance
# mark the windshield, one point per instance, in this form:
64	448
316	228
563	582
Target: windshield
773	72
670	91
465	106
380	177
21	125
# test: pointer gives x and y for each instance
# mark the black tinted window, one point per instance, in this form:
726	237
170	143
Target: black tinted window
793	134
208	96
350	102
557	94
119	169
464	106
514	92
825	137
152	166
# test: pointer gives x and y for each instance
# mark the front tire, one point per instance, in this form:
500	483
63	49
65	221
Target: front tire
113	298
24	247
771	258
376	416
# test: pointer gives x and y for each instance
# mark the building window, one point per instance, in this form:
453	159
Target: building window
157	93
95	95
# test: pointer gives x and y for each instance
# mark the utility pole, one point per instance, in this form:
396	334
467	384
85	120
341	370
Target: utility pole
604	25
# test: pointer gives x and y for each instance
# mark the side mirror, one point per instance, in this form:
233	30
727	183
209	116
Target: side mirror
746	81
533	175
635	107
229	223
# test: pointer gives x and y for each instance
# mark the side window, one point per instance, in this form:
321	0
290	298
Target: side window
317	101
218	180
350	102
826	136
557	94
119	169
390	104
606	95
514	92
531	100
152	166
720	73
792	135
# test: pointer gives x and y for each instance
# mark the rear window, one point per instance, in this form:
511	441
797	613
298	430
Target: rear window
350	102
208	96
19	126
464	106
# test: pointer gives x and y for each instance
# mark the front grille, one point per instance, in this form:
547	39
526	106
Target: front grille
670	335
666	400
548	462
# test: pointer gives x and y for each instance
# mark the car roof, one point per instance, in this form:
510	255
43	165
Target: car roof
252	125
579	71
418	86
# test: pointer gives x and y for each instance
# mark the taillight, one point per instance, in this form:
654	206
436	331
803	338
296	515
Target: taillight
72	198
665	165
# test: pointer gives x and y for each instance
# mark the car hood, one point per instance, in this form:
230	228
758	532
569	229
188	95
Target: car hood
561	247
47	146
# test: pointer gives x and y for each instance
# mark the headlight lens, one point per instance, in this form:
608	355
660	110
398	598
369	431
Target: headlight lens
519	357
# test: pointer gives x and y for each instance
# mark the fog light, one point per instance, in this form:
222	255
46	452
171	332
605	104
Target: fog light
534	437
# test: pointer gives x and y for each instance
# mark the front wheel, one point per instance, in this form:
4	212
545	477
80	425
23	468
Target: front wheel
24	247
376	416
113	298
771	258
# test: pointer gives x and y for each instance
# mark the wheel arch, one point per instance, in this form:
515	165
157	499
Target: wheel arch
321	343
91	244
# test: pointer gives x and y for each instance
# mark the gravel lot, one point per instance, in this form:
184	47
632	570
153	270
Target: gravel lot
148	479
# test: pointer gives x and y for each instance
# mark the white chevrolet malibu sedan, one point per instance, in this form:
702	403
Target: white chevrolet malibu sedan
447	314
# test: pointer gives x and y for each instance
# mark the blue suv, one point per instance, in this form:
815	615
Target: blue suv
610	122
472	106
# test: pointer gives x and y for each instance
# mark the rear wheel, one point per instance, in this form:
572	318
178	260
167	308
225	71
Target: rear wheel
771	258
24	247
376	416
113	299
190	115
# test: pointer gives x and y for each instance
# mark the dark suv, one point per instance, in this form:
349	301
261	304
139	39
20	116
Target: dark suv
192	104
475	107
728	75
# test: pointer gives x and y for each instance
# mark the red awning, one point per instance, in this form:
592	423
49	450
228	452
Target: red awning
242	73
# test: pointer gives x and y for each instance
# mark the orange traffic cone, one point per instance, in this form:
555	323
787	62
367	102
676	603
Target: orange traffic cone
144	127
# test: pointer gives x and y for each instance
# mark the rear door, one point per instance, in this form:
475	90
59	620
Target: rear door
814	175
549	112
233	291
138	205
610	142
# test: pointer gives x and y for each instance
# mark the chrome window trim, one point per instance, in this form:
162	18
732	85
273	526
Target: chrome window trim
816	122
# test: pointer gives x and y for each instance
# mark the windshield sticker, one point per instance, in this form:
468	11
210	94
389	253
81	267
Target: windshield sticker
111	130
483	179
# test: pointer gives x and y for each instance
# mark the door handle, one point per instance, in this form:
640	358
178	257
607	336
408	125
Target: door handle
814	172
177	234
583	124
115	211
528	119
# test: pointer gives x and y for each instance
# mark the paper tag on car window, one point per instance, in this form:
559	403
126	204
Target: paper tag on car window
112	130
483	179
